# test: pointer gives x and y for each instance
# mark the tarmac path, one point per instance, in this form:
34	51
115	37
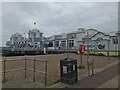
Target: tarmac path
98	79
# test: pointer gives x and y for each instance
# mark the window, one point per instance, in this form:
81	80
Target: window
63	43
50	44
29	34
34	34
71	43
57	43
35	46
40	35
16	38
115	41
25	42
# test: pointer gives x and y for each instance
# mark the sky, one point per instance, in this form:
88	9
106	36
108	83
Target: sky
57	17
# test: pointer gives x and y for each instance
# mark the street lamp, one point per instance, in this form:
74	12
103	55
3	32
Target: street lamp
108	53
67	45
87	45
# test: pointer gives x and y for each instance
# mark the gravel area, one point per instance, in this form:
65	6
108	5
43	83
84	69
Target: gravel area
53	74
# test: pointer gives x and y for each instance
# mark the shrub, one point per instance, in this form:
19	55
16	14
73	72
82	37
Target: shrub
80	67
100	54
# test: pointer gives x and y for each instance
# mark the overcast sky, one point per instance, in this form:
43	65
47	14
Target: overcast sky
55	18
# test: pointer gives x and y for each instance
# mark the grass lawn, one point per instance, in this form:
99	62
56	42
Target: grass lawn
104	53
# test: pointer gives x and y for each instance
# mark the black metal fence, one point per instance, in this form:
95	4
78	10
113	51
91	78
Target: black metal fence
36	52
25	68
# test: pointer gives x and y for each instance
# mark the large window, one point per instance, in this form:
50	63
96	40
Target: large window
71	43
50	44
34	34
115	40
57	43
40	34
63	44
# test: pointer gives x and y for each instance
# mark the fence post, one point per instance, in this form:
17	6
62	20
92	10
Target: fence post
93	68
34	72
88	68
4	70
45	73
25	67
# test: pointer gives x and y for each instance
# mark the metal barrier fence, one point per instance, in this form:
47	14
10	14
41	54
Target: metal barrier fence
4	71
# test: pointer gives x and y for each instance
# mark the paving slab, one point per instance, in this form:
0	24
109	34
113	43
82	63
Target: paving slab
85	75
98	79
113	83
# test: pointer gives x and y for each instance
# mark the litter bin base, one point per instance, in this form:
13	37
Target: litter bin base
69	81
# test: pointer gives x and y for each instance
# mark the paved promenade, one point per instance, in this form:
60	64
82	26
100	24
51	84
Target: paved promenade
97	79
105	77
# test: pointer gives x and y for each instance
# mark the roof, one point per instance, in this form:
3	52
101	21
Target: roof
16	35
35	30
92	30
87	36
91	34
113	33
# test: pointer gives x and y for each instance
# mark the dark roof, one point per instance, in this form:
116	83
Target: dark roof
92	30
98	33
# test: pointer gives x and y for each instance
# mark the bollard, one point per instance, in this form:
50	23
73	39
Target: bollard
88	67
25	67
45	73
34	72
4	70
93	68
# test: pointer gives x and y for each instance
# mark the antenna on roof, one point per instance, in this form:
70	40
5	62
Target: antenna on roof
35	24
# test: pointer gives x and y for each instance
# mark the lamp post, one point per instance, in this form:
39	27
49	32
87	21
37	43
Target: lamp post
108	54
67	45
87	45
118	35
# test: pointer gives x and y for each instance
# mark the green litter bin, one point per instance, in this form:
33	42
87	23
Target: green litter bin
68	70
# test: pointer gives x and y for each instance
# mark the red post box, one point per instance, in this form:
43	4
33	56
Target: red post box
82	49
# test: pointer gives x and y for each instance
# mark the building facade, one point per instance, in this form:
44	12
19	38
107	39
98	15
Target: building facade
35	41
95	40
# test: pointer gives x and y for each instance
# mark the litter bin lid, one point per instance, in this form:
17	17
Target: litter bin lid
69	59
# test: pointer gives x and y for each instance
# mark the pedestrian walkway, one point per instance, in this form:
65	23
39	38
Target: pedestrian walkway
85	75
97	79
113	83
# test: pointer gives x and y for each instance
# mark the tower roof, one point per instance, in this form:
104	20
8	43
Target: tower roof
16	35
35	30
